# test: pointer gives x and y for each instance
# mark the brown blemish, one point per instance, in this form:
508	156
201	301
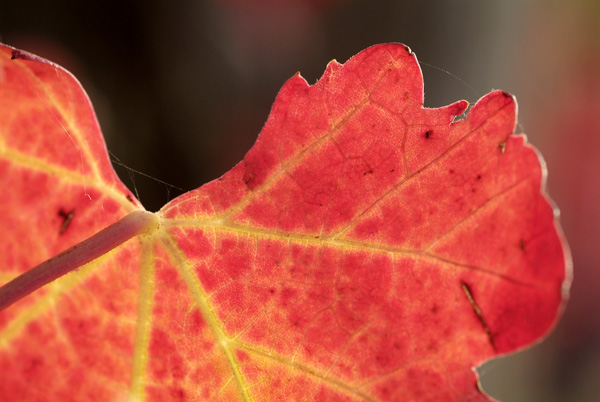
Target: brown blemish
67	218
249	180
467	289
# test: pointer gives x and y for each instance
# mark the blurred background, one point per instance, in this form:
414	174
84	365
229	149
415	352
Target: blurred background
183	88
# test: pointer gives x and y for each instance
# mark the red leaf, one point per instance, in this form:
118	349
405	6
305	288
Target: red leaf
366	248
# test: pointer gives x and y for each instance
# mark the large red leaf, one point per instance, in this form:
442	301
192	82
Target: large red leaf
366	248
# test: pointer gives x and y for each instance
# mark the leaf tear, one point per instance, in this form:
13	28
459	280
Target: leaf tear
467	289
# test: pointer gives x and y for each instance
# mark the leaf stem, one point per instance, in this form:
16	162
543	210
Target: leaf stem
136	223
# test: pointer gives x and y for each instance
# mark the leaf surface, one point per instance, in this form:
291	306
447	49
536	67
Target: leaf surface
365	249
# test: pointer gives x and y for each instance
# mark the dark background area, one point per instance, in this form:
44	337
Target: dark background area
183	88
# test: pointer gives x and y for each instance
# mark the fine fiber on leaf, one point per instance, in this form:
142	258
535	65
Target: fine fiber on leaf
365	249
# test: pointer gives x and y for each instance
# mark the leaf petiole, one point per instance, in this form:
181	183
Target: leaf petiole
136	223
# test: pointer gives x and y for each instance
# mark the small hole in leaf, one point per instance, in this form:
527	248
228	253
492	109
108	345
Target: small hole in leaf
502	147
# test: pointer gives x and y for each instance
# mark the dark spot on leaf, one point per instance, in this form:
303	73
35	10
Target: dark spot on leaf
522	245
248	179
428	133
370	171
451	171
392	171
67	218
506	94
432	346
178	394
435	308
478	177
33	367
271	290
129	198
